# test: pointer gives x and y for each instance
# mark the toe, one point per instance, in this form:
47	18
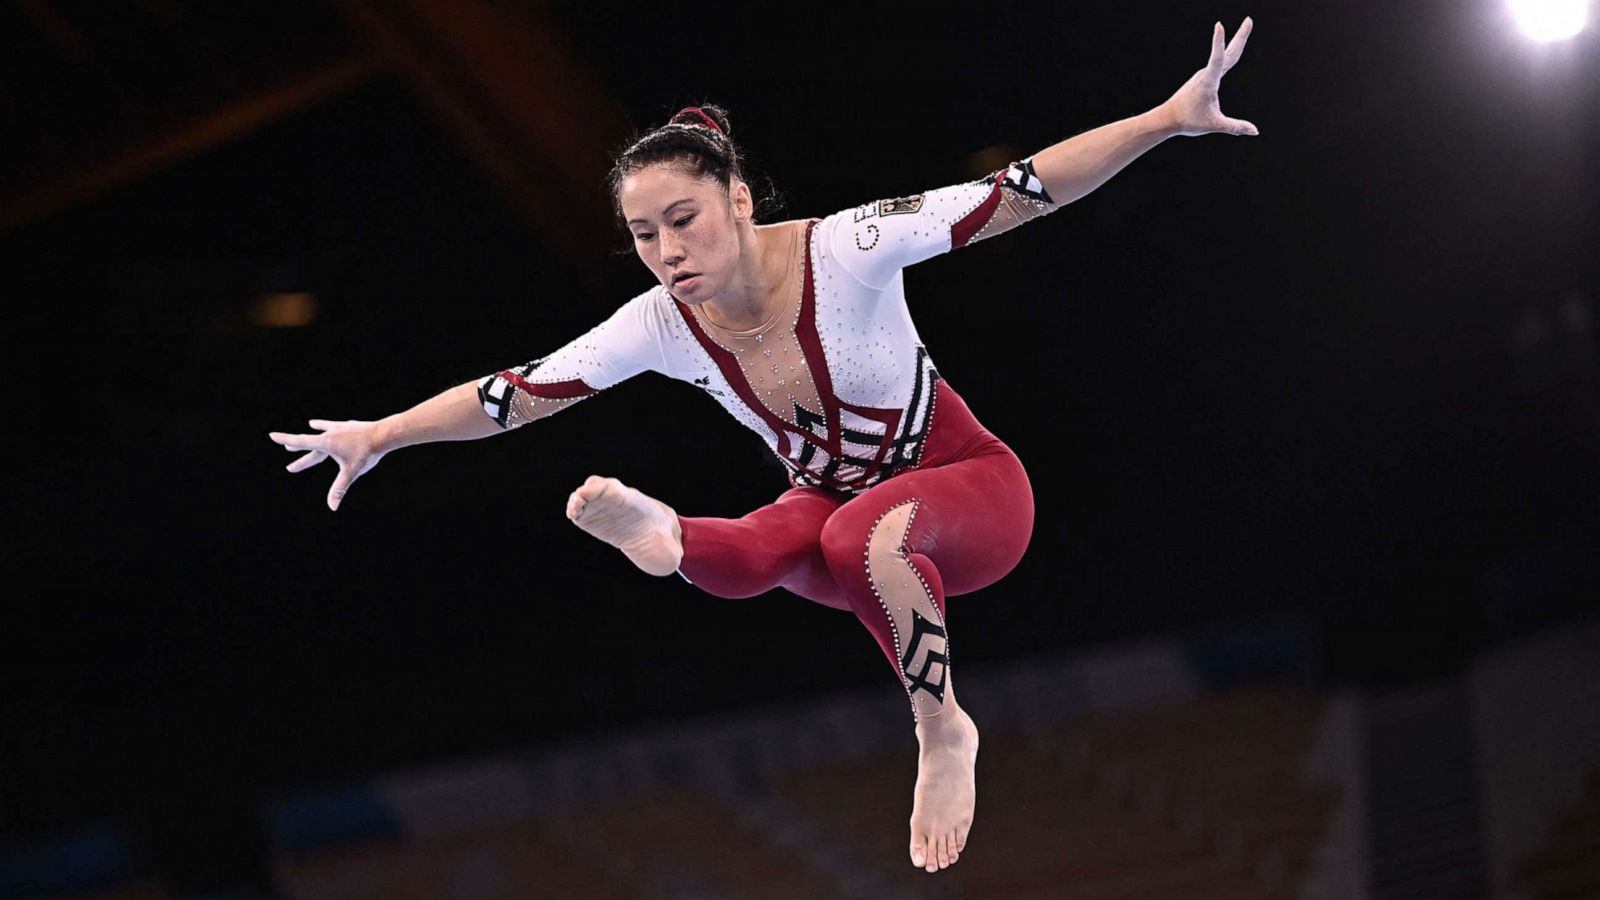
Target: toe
944	851
919	852
961	840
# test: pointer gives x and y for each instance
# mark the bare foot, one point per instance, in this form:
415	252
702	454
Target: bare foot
642	527
941	809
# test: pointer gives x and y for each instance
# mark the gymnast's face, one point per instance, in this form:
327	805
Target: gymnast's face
685	229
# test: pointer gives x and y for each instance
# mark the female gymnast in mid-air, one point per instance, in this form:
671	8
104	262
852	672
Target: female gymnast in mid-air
899	497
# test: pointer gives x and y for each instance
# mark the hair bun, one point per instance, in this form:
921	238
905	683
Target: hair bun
703	116
697	141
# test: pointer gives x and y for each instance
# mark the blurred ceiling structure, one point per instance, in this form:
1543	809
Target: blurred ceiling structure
139	88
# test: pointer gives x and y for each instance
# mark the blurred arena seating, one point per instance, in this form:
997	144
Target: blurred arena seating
1207	798
124	894
1168	789
1536	737
1568	865
504	861
1142	772
1204	798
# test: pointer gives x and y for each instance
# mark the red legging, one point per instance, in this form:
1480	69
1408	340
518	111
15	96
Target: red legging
891	554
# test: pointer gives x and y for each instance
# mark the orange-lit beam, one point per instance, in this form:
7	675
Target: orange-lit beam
521	101
72	184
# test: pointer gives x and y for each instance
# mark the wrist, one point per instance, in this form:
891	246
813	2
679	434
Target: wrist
1162	121
388	434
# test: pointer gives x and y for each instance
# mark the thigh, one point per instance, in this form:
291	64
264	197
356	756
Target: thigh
776	545
973	518
805	511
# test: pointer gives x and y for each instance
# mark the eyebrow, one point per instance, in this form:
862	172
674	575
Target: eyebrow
666	212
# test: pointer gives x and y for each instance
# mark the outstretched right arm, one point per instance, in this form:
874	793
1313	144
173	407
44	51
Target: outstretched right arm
616	349
454	415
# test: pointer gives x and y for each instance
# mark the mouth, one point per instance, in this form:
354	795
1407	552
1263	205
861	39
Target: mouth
684	278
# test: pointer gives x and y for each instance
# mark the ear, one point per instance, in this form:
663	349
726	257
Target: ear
744	205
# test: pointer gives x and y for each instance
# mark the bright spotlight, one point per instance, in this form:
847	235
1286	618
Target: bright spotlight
1550	20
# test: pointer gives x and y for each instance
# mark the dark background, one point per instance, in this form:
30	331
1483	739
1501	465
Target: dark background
1339	374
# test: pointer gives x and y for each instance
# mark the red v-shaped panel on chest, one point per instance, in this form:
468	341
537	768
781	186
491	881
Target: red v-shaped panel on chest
780	372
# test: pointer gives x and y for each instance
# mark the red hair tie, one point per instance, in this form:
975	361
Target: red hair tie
710	122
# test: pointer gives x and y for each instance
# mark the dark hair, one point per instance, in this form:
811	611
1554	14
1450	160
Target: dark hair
697	140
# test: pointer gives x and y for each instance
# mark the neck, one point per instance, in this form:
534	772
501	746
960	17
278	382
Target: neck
766	258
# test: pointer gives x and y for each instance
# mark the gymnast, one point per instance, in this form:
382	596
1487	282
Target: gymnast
898	497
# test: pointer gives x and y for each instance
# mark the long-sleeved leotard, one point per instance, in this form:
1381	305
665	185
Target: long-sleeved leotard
899	496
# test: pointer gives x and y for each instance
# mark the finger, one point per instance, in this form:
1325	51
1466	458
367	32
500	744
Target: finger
297	442
1239	127
1236	46
307	461
1217	48
341	486
321	424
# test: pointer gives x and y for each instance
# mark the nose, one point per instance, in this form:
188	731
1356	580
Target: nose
671	248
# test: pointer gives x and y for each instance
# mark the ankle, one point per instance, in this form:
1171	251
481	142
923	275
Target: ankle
952	723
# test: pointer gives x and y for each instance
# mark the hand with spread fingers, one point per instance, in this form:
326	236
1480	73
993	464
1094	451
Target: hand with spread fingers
352	445
1194	109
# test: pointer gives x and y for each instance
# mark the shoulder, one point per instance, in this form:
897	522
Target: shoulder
641	320
652	303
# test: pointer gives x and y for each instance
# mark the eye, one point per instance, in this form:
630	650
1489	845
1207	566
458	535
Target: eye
644	236
683	221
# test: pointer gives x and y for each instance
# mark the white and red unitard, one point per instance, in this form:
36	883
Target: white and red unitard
899	496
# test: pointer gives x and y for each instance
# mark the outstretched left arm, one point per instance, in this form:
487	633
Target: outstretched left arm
1078	165
874	242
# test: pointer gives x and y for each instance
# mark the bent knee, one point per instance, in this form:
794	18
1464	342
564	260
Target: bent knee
853	541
